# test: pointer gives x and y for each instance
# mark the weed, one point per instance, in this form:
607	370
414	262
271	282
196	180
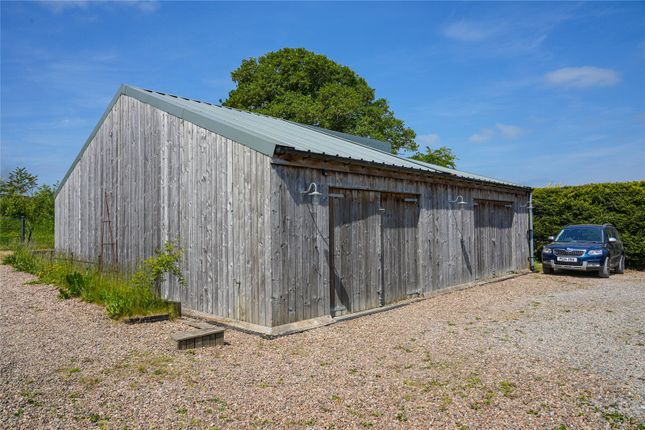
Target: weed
446	401
95	418
69	371
221	404
19	412
473	381
507	388
22	259
353	371
401	416
182	411
121	296
488	397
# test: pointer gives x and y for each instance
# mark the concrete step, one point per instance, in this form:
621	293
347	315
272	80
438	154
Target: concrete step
199	338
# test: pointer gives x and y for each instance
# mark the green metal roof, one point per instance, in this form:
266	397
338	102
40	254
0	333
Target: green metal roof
263	134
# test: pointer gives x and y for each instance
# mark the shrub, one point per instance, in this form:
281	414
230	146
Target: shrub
622	204
164	262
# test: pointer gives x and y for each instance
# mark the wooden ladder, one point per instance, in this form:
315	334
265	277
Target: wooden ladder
106	222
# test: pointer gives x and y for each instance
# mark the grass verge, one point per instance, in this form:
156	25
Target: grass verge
121	296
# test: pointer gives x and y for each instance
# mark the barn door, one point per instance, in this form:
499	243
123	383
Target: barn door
493	238
355	223
400	214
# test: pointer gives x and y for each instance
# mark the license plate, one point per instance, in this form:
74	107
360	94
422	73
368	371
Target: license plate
568	259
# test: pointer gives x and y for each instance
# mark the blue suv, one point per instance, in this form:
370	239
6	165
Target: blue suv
591	248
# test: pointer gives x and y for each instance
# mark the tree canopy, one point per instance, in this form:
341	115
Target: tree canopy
20	196
309	88
442	156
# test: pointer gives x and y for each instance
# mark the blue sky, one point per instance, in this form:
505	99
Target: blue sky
535	93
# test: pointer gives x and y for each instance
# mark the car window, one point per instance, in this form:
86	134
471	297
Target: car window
616	235
580	234
609	233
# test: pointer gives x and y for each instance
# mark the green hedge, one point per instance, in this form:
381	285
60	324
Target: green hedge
622	204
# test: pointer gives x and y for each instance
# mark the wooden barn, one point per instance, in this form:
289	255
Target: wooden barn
284	226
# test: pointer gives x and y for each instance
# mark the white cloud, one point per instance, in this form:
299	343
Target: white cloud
506	131
428	139
145	6
60	6
467	31
583	77
509	131
484	135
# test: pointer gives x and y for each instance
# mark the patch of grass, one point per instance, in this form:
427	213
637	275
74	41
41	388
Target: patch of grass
488	397
121	296
69	371
446	401
19	412
473	381
507	388
401	416
154	364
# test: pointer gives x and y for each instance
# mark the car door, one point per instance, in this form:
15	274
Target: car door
618	245
612	247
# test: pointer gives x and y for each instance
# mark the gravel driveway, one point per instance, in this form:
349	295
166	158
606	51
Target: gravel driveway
531	352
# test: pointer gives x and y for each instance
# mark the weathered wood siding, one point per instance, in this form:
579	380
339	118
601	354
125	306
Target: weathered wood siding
445	234
168	179
256	248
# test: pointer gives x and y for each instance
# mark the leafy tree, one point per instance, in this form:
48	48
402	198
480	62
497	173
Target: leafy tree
20	197
20	182
309	88
441	157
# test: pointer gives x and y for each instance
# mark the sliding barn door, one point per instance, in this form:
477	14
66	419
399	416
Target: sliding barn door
374	243
355	221
400	215
493	238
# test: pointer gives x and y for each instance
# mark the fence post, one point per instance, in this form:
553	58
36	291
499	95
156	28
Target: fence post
22	229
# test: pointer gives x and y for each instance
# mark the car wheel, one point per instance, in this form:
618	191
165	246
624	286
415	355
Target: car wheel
604	271
620	269
547	270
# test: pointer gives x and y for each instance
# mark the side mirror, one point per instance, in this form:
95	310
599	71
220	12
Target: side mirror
612	240
551	238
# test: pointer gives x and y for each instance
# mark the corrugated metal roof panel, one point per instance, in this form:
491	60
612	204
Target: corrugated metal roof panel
309	138
263	133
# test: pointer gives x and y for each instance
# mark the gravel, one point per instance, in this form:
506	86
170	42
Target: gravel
535	351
